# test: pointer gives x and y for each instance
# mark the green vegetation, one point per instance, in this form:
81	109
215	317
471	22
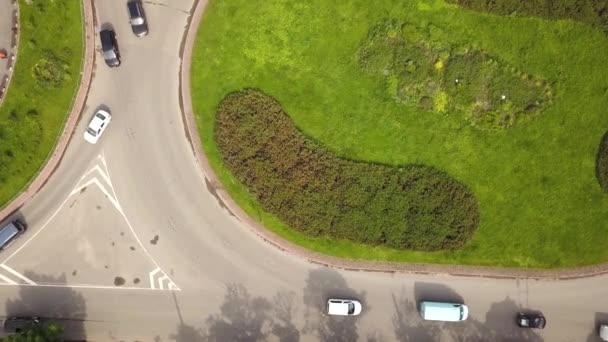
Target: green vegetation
41	91
37	333
602	163
540	204
594	12
422	68
309	188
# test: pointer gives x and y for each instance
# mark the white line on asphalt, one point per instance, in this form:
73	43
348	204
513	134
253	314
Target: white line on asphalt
8	280
80	286
161	281
17	274
38	232
103	189
134	234
151	276
98	169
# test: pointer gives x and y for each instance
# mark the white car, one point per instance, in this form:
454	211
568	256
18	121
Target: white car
97	126
343	307
603	332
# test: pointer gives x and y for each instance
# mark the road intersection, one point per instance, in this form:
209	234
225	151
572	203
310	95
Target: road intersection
126	242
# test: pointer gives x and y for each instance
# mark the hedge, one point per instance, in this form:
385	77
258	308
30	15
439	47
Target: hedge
304	184
593	12
602	163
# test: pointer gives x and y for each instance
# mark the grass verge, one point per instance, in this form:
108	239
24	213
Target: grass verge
540	202
44	82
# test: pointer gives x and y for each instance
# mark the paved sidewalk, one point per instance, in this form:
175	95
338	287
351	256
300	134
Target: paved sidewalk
85	80
8	43
316	258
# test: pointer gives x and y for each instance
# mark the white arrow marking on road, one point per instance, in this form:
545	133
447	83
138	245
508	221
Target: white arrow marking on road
151	275
17	274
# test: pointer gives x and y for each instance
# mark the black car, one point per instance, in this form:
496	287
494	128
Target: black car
109	47
534	321
137	18
14	325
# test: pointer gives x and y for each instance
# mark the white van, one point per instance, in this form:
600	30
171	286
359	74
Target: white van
447	312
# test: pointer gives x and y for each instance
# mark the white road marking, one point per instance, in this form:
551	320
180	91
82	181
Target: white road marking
98	169
103	189
115	202
80	286
38	232
161	282
151	275
17	274
8	280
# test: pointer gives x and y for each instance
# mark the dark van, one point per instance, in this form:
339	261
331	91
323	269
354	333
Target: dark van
109	47
9	232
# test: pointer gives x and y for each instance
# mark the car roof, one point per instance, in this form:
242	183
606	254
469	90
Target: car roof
444	311
134	9
97	121
7	232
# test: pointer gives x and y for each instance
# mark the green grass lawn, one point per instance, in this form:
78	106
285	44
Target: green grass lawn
41	92
540	202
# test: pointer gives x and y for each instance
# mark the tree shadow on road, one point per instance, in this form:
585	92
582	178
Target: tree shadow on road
60	305
322	284
245	318
499	322
600	318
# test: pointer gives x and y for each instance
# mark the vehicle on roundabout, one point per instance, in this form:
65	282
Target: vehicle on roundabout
97	126
109	47
603	332
343	307
531	320
137	18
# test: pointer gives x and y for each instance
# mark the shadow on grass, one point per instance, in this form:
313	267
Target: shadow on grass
601	163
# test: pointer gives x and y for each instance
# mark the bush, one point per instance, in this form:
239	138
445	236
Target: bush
308	187
602	163
593	12
421	64
49	71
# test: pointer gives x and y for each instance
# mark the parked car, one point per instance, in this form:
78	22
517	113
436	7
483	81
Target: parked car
97	126
603	332
343	307
445	312
109	47
14	325
534	321
137	18
9	232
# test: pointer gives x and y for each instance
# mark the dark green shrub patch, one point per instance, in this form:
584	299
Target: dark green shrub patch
422	69
594	12
602	163
412	207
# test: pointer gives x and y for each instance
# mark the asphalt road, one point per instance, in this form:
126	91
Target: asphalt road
126	242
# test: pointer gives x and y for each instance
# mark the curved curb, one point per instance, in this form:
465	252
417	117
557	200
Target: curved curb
77	105
12	55
325	260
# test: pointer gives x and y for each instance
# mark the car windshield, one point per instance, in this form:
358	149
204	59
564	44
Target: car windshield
137	21
91	131
101	116
351	308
